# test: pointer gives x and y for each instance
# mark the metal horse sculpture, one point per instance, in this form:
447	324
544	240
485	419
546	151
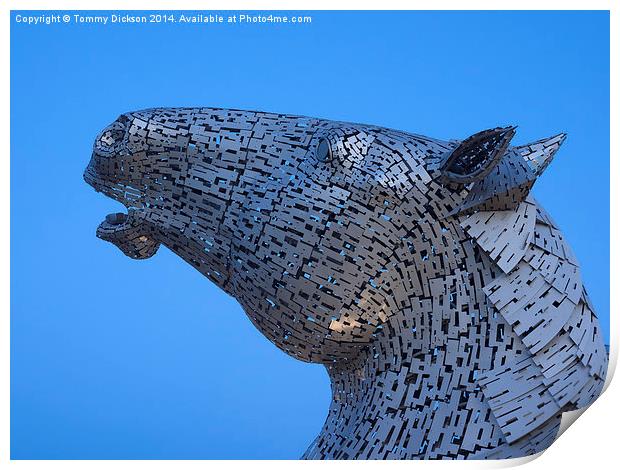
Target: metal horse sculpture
443	300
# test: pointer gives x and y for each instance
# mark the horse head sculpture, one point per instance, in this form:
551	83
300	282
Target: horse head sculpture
443	300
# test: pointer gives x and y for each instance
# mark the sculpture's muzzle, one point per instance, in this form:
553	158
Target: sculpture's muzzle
109	172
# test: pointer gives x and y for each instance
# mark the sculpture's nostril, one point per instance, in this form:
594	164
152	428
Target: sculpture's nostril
111	139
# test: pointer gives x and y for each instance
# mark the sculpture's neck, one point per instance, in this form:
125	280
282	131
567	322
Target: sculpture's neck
401	400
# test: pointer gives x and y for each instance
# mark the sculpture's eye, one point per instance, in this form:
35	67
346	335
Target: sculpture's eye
323	151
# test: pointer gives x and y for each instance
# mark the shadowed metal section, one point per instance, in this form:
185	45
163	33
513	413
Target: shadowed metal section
477	155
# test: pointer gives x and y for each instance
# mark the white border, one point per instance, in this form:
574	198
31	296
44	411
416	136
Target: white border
575	448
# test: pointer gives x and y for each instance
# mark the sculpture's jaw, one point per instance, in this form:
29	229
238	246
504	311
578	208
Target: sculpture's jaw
129	234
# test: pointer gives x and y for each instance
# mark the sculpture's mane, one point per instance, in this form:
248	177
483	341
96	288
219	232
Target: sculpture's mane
539	293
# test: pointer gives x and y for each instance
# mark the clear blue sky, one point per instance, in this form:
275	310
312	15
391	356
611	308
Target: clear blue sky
113	358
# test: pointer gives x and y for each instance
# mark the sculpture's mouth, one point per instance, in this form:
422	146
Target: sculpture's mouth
127	230
130	233
115	219
113	223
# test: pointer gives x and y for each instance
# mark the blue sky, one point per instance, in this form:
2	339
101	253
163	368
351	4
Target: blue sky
113	358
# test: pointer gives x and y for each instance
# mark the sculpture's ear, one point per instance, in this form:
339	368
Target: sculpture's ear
476	156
